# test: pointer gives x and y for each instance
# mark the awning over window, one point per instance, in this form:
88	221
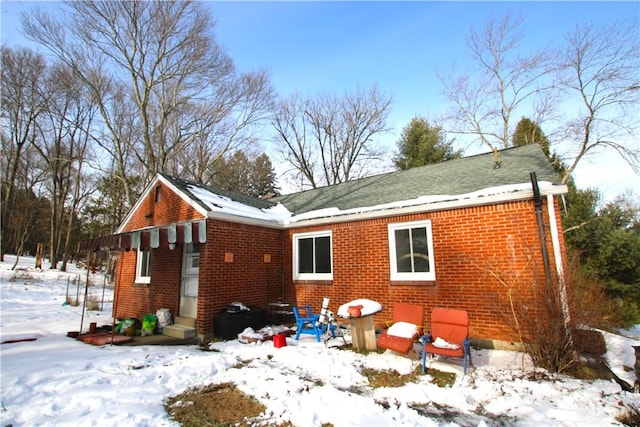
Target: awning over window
110	242
151	238
165	237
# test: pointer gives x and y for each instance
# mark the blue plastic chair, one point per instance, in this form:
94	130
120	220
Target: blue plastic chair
308	323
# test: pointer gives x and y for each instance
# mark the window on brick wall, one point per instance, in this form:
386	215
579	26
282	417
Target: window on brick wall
312	256
143	266
411	251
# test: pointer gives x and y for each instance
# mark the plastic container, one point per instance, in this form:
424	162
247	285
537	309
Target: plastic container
279	340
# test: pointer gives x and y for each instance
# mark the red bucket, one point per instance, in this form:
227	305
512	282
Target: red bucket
279	340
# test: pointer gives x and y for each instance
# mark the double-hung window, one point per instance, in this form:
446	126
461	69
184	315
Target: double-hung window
143	266
411	251
312	256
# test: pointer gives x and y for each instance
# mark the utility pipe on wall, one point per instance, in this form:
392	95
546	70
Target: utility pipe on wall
556	246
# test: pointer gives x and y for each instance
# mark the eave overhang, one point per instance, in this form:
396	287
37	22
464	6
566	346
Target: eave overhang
382	211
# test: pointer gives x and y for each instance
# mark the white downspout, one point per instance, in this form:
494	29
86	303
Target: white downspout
557	254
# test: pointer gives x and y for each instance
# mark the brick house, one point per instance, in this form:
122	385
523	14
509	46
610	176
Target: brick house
437	235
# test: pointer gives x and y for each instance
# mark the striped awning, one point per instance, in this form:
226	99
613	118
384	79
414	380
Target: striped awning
110	242
166	237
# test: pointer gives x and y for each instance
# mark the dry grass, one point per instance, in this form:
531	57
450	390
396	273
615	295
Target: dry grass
214	405
93	303
589	370
631	417
225	405
391	378
440	378
72	301
388	378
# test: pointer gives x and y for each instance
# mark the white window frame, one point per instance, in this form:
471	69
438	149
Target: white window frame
139	270
311	276
393	264
191	254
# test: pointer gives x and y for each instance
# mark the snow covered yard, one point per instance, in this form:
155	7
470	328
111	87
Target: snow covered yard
56	380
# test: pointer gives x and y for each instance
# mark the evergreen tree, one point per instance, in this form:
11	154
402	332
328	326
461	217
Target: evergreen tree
239	173
106	211
529	132
607	242
264	177
233	173
422	144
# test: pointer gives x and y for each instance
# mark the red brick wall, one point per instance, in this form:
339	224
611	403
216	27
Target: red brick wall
136	300
240	263
171	208
481	254
129	300
237	263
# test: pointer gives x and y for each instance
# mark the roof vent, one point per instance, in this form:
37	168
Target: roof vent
497	164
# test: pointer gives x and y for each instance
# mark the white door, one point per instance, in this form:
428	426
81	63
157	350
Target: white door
189	288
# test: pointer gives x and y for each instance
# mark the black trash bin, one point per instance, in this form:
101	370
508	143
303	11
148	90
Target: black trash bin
229	323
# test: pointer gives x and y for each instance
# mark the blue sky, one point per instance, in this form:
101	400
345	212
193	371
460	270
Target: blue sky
311	47
337	46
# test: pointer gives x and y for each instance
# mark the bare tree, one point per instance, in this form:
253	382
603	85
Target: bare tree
598	72
183	85
22	103
224	124
115	135
27	208
330	139
594	73
487	102
62	142
82	183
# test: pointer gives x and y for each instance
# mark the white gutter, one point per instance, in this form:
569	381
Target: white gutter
425	207
385	212
268	223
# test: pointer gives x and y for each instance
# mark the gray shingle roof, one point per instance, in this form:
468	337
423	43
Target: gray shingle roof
459	176
454	177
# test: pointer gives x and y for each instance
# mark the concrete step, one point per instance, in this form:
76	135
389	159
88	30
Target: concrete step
186	321
179	331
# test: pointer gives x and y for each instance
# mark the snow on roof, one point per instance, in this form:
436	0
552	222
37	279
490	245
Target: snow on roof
422	200
225	205
281	215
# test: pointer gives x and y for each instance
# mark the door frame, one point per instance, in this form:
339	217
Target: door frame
188	304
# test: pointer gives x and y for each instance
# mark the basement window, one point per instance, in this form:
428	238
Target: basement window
143	266
312	256
411	251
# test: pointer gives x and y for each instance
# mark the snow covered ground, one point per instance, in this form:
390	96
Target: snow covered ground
56	380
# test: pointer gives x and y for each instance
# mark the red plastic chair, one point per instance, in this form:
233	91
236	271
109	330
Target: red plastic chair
409	313
451	326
